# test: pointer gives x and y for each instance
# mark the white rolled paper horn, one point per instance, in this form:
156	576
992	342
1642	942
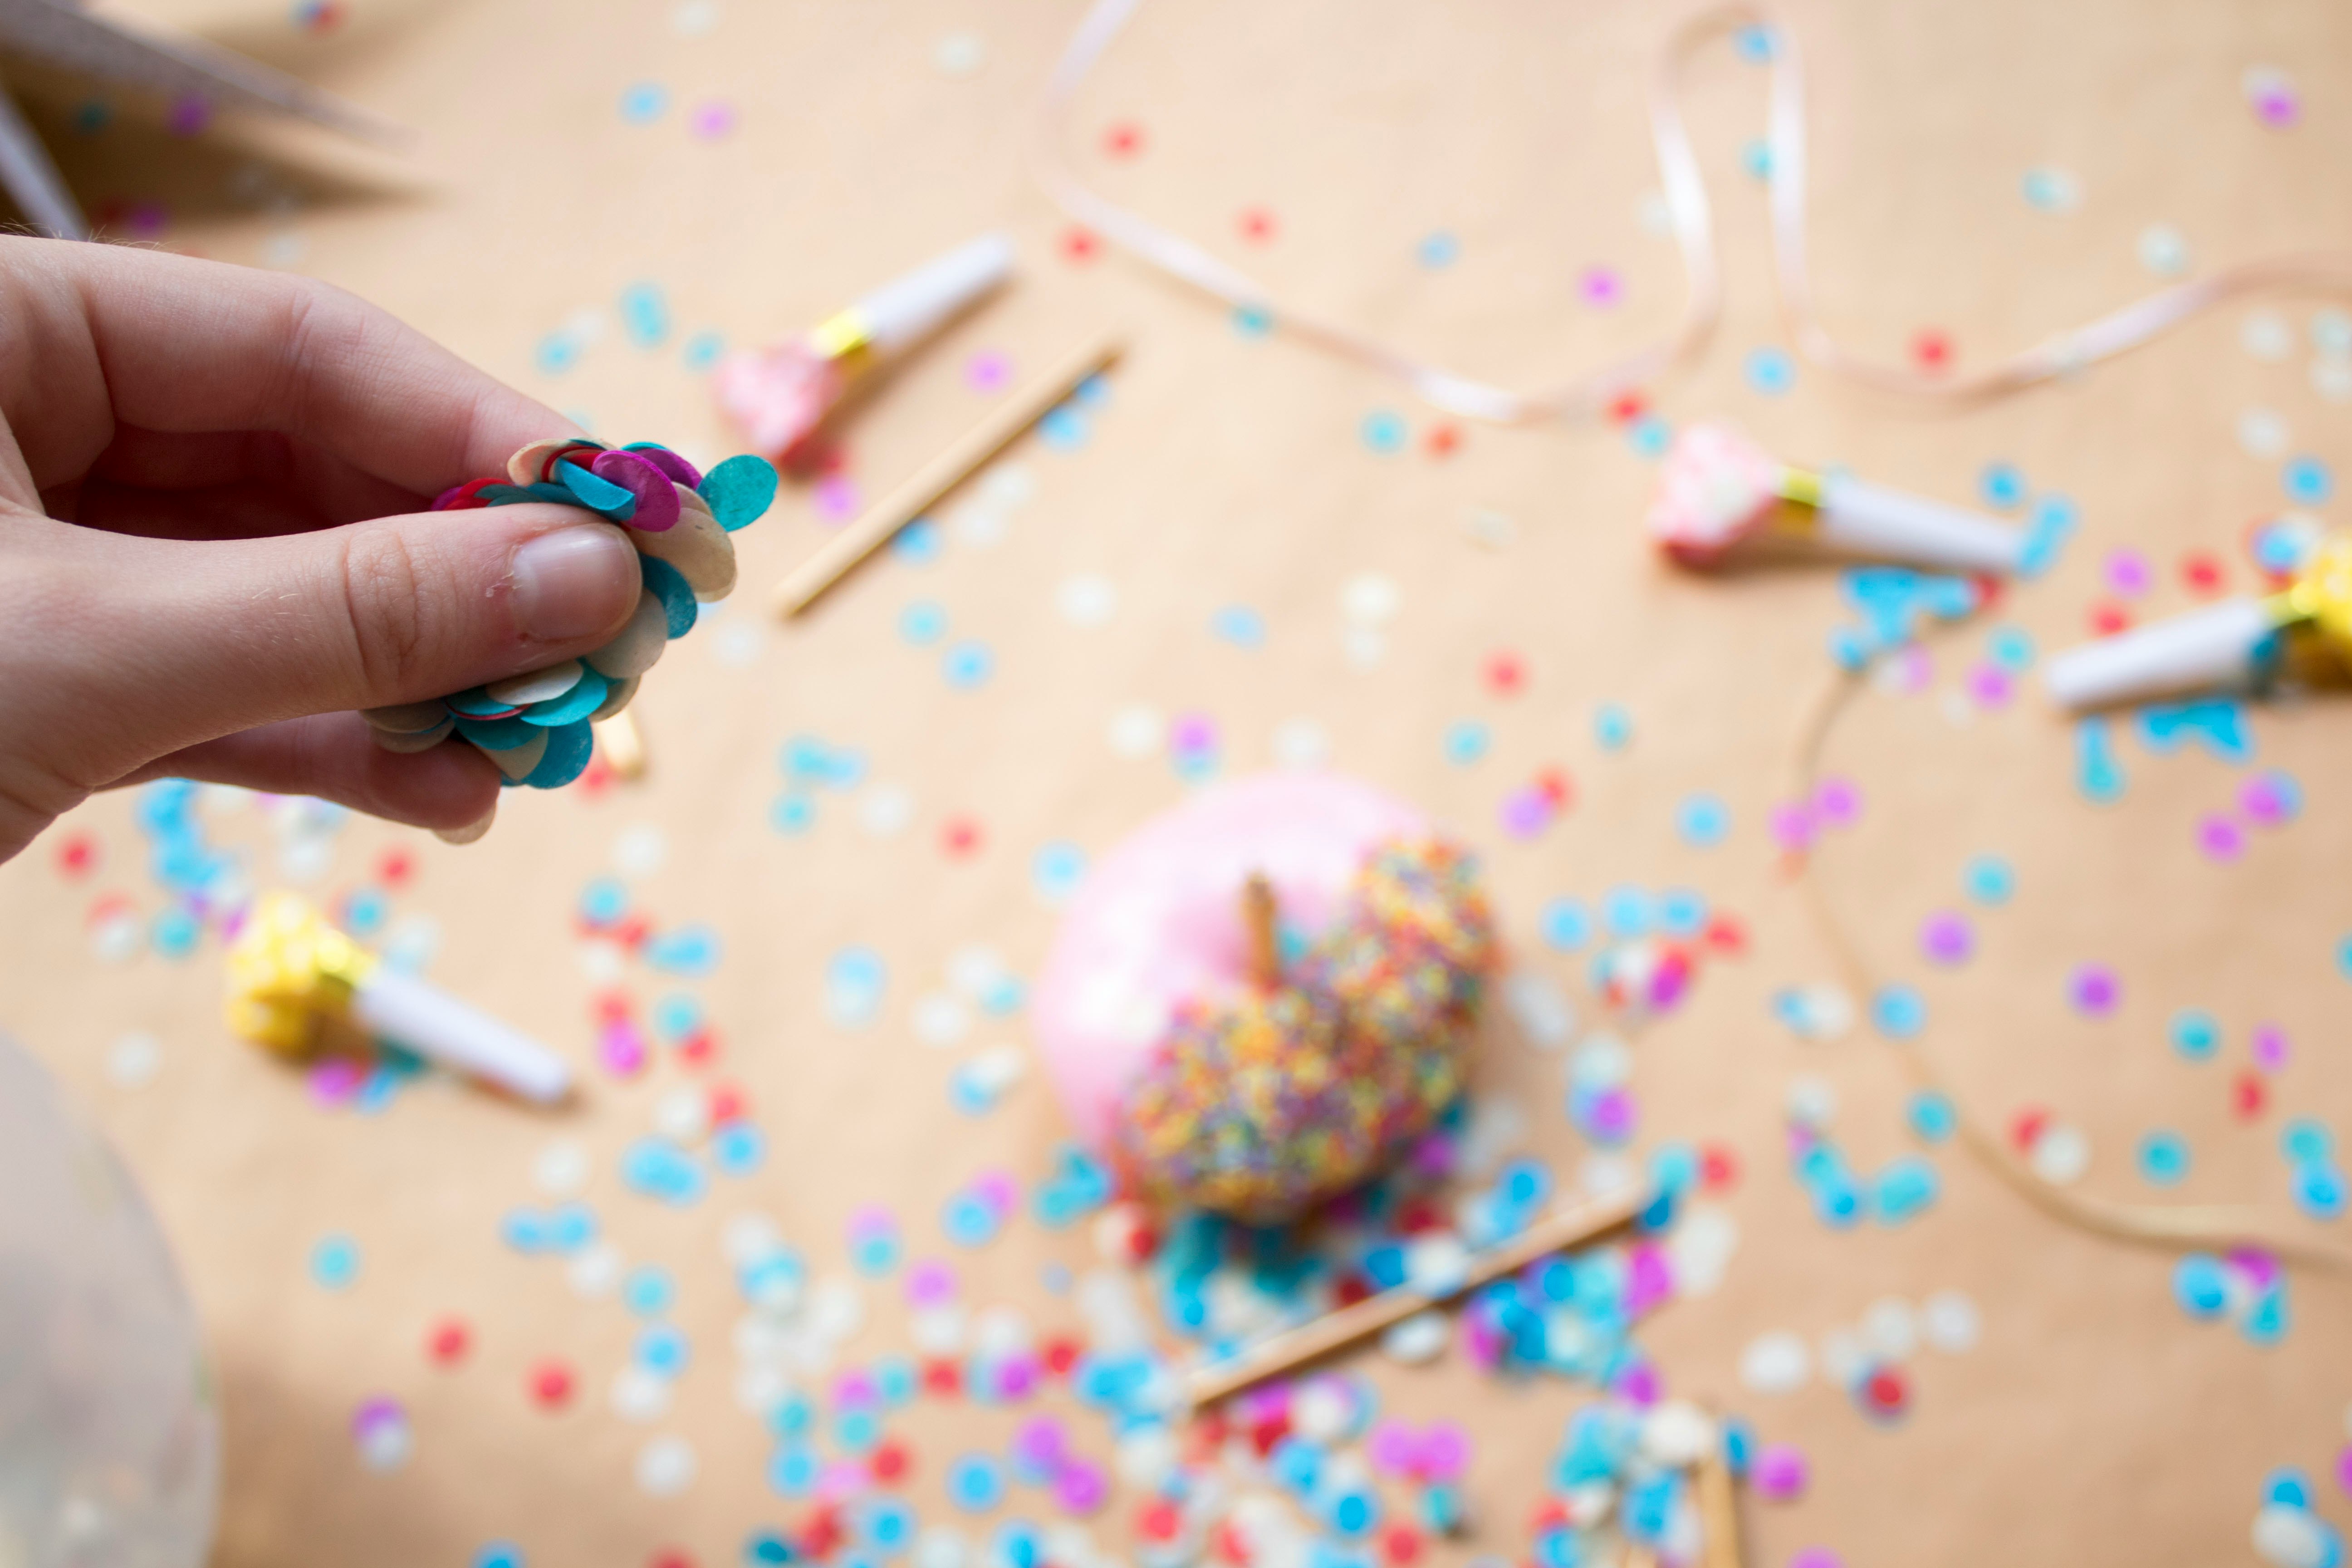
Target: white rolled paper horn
910	307
2207	649
290	973
2215	647
1718	490
1864	518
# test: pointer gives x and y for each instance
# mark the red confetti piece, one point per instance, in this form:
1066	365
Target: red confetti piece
1123	140
1719	1168
1507	673
449	1341
2027	1129
960	838
1079	245
728	1103
1352	1288
1400	1543
892	1460
943	1377
1256	225
614	1007
1931	350
1556	788
1229	1545
1158	1520
670	1559
395	866
2202	571
1726	934
1268	1431
78	856
2248	1096
1885	1392
1627	407
1062	1353
700	1047
551	1384
2107	619
1442	440
1420	1217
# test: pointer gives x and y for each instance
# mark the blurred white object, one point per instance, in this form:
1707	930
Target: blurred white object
109	1447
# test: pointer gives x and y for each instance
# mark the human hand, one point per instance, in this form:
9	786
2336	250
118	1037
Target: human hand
214	546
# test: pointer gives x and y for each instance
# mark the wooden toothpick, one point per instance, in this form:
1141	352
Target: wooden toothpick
1294	1348
1258	918
805	583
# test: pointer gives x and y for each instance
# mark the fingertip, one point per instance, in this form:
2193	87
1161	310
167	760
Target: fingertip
335	757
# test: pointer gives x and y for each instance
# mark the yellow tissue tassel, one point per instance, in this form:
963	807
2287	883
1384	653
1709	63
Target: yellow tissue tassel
288	973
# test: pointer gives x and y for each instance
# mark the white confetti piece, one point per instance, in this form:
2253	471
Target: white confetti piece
2060	1155
1948	1322
640	1394
666	1467
2163	251
2262	433
639	851
1676	1435
1135	733
133	1059
561	1169
1087	600
1301	743
941	1019
2265	335
1776	1362
1418	1339
1540	1008
1890	1328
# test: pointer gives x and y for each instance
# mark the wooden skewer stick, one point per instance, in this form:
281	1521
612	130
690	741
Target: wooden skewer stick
1264	939
805	583
1293	1348
1718	1510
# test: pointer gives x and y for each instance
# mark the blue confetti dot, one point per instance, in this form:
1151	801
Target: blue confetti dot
2287	1486
1252	321
603	902
2003	487
1466	741
2051	524
1057	869
919	544
2201	1285
2012	647
1770	371
2163	1158
645	102
968	1221
2307	481
1990	881
874	1252
2344	957
976	1483
2319	1190
557	353
662	1350
1240	625
1066	429
1682	911
174	932
792	1472
644	314
922	623
1904	1188
738	1149
1898	1011
1613	727
648	1292
2196	1035
1383	430
702	351
2303	1140
499	1554
1756	158
1627	912
794	813
689	950
967	665
1754	43
857	1431
1703	820
1931	1116
856	979
1649	436
1566	924
335	1262
1438	249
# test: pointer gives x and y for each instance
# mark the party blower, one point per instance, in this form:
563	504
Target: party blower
1720	492
291	974
2222	646
781	395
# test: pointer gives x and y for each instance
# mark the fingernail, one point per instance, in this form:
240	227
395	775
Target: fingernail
573	583
470	831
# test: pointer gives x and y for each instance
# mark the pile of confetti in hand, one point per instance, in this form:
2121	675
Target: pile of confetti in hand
535	725
1261	1109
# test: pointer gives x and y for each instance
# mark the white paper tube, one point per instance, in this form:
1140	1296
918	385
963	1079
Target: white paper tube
906	308
437	1025
1892	525
2201	650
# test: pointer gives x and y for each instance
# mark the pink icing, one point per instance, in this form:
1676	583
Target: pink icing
1717	488
1158	919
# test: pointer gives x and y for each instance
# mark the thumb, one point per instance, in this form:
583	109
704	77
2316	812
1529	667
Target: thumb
201	639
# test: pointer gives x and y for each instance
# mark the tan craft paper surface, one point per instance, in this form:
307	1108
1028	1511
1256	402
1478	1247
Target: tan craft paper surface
2094	1423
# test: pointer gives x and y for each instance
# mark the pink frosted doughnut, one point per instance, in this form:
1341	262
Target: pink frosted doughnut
1157	921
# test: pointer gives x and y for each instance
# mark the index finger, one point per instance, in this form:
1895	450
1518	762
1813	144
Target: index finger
170	343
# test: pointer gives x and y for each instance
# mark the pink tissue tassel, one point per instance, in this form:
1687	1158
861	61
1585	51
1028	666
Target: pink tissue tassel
781	395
